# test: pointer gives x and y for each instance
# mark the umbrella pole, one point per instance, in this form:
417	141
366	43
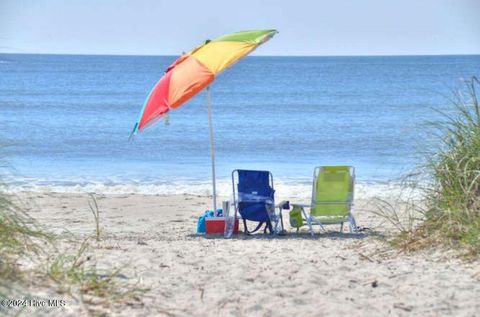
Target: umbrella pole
212	148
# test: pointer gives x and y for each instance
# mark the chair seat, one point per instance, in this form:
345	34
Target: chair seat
253	211
331	219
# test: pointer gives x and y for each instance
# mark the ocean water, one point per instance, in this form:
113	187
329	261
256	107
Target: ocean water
66	120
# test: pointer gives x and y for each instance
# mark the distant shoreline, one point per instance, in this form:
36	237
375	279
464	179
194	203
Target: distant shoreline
253	55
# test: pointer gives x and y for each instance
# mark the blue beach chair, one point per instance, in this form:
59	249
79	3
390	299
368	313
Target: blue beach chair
253	199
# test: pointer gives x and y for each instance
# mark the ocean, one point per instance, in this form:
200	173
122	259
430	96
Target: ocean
66	121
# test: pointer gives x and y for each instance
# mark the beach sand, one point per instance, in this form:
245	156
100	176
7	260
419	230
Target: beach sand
152	240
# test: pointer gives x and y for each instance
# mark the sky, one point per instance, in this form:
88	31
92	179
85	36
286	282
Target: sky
158	27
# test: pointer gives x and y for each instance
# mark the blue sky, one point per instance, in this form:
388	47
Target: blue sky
149	27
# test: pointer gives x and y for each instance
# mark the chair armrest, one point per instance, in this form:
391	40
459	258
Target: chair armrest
284	204
334	203
301	205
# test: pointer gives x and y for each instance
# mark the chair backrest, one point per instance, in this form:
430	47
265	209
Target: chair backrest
255	183
255	195
332	184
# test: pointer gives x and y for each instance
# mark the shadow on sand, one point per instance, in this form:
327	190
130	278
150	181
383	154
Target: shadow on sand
302	235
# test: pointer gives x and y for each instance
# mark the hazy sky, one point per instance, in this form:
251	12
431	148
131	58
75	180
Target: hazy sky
334	27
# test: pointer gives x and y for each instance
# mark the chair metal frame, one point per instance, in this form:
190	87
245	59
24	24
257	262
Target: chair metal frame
313	220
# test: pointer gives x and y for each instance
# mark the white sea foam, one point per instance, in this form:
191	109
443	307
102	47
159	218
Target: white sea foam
285	189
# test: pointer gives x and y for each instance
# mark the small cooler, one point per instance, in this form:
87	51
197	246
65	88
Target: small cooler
216	225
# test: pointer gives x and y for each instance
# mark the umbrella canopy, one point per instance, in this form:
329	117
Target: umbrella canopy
192	72
195	70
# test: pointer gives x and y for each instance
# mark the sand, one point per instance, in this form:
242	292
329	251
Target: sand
334	274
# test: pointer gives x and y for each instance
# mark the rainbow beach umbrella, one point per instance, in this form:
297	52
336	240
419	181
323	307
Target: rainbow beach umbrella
194	71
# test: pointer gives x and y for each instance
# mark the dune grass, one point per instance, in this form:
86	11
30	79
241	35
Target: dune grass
93	204
453	200
78	273
23	241
449	211
19	238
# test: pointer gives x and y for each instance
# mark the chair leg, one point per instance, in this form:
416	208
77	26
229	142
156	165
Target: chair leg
268	227
309	222
341	227
321	226
245	227
281	220
352	223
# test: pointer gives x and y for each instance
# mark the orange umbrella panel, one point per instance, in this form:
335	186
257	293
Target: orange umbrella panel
195	70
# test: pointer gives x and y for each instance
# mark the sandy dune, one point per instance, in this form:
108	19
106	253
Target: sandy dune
295	275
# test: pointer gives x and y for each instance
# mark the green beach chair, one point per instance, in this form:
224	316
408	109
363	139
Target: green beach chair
332	199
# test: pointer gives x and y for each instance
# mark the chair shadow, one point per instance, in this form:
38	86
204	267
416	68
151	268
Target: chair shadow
302	235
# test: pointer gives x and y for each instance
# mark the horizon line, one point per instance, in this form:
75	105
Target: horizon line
169	55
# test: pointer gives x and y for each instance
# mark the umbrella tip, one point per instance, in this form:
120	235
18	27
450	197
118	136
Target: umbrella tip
134	132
